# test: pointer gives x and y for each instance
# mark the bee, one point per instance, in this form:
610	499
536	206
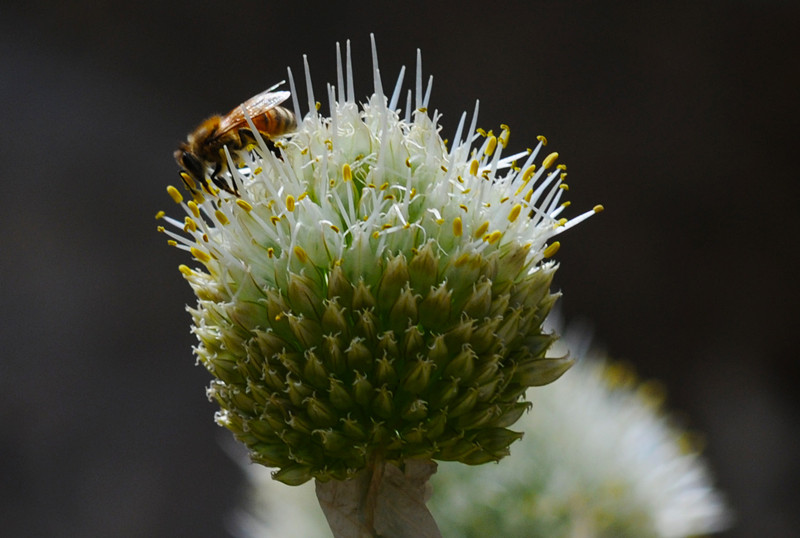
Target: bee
204	147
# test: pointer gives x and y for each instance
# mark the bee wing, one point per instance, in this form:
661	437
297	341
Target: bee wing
255	106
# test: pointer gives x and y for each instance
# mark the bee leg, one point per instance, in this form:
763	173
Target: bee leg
221	183
250	142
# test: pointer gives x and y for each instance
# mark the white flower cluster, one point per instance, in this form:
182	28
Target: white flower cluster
369	288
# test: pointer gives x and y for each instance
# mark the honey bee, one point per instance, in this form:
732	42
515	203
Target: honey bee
204	147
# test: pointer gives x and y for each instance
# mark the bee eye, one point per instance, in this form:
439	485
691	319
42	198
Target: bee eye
193	165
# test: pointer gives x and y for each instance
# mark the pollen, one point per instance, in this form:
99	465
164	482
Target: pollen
160	215
300	253
464	207
188	181
175	194
551	249
290	203
347	174
481	230
493	237
550	160
542	139
598	208
257	171
515	211
200	255
189	225
457	227
185	270
244	205
221	217
473	168
491	145
193	208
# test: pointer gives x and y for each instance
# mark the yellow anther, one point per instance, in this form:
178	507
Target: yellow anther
385	186
466	191
460	179
317	105
551	249
481	230
329	144
528	173
568	203
250	147
515	211
244	205
221	217
335	228
458	227
175	194
274	219
270	252
408	162
564	187
563	176
189	225
303	195
205	238
290	203
185	270
444	168
464	207
257	171
375	235
503	138
493	237
193	207
598	208
562	166
504	199
413	193
561	222
550	160
423	109
161	229
388	197
480	131
300	253
528	195
172	243
304	151
160	215
386	226
542	139
347	174
188	181
473	168
200	255
491	145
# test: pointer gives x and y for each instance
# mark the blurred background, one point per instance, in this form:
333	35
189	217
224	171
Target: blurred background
680	117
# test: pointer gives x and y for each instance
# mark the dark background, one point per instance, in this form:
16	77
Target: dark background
680	117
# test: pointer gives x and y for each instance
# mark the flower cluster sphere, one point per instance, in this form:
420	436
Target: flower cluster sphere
372	292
